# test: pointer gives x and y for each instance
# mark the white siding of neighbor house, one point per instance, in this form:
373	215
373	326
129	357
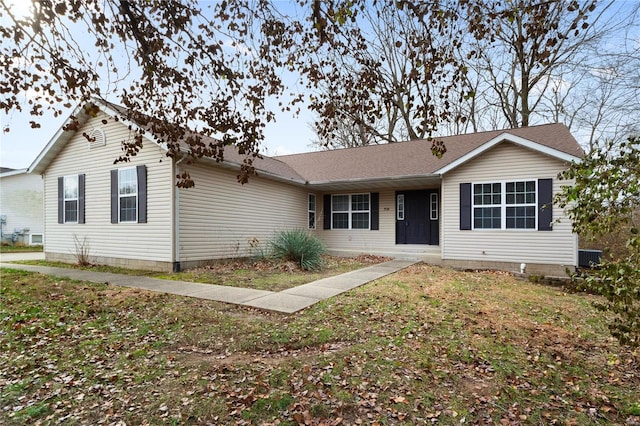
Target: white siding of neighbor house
220	218
151	241
506	162
21	201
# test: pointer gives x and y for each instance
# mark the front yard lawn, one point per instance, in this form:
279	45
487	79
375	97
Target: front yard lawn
422	346
259	274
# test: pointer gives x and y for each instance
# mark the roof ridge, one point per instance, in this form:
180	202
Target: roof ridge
377	145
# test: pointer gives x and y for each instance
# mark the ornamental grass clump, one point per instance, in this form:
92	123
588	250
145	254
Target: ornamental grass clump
300	247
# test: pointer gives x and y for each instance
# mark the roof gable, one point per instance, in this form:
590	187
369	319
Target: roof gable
267	166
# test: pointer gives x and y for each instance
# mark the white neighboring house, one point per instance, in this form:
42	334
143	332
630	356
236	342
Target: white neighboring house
21	207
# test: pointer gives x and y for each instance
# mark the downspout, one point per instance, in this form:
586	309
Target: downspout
44	214
176	216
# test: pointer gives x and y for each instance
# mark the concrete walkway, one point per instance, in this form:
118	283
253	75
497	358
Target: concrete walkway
287	301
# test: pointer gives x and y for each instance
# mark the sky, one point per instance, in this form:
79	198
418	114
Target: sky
22	144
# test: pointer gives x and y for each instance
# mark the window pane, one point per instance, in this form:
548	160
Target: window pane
71	211
340	203
127	181
521	217
360	202
486	218
312	220
128	209
360	221
71	187
485	194
521	192
340	221
312	202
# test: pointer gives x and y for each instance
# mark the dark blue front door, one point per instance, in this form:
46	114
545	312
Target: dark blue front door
417	217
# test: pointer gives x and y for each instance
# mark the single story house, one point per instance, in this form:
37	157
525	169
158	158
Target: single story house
21	207
487	203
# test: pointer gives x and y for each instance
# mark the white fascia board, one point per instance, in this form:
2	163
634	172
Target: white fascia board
507	137
55	141
61	137
13	173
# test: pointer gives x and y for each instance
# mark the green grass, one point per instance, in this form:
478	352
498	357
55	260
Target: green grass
493	350
4	248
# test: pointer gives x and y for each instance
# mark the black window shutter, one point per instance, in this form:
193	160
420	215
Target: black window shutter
142	194
545	204
375	211
60	200
326	206
81	198
465	206
114	196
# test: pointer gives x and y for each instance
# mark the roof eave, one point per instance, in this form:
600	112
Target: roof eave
13	173
508	137
390	181
56	143
259	172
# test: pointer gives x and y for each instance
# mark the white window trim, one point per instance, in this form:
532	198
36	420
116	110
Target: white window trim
315	208
351	211
433	201
120	196
400	203
503	205
65	199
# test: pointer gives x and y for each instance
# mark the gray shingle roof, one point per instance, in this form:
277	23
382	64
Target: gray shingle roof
414	158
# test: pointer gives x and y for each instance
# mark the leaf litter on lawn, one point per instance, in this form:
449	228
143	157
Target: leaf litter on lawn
422	346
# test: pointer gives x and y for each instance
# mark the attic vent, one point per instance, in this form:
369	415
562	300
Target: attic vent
98	137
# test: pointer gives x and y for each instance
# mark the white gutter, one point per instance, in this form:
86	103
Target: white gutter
13	173
374	180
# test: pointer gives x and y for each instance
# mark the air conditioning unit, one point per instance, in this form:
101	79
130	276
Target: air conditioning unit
589	258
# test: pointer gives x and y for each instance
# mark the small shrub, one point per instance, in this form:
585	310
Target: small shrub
300	247
82	250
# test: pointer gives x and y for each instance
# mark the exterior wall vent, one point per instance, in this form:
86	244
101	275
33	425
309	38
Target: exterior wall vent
99	138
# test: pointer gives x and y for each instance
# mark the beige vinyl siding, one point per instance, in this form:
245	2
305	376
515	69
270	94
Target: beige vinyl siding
361	239
382	241
220	218
505	162
151	241
21	201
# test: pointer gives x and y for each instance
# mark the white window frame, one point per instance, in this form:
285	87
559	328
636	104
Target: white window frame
65	199
310	224
433	206
400	207
120	196
503	205
350	211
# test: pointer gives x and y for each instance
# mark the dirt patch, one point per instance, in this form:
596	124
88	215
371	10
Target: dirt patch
275	265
